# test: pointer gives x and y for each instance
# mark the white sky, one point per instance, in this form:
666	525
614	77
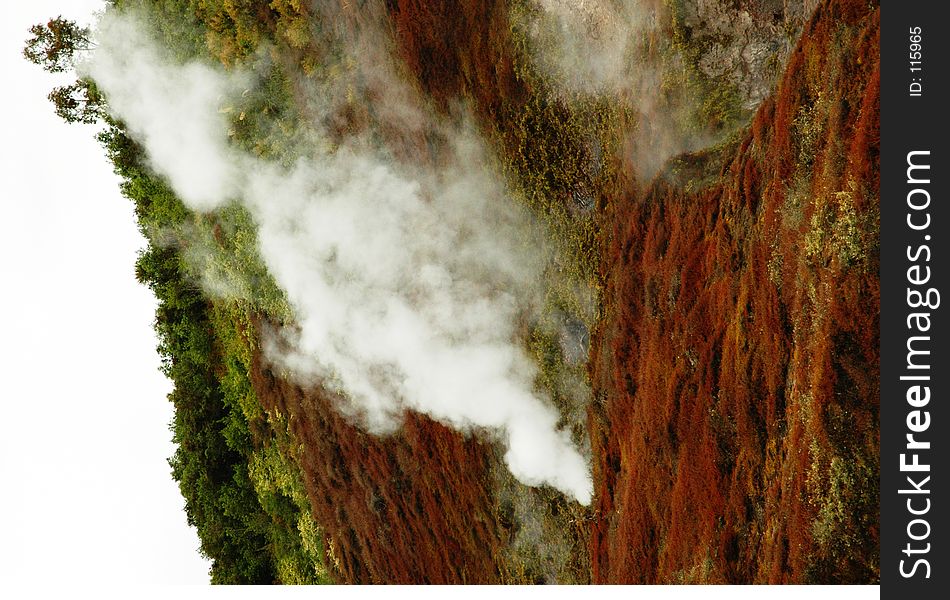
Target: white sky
86	493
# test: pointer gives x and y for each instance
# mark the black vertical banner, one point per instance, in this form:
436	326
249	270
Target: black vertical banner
915	373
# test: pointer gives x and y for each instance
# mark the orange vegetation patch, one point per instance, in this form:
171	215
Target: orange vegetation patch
735	432
459	49
413	507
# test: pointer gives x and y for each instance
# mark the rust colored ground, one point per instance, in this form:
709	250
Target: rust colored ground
738	364
408	508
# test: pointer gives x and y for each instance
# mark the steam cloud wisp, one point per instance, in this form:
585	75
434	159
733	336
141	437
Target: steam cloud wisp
407	286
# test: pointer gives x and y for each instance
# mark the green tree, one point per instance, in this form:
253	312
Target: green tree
54	44
80	102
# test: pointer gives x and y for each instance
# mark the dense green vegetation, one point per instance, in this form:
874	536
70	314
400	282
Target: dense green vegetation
233	461
242	494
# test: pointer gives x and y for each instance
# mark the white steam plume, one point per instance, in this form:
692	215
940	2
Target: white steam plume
408	288
589	46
